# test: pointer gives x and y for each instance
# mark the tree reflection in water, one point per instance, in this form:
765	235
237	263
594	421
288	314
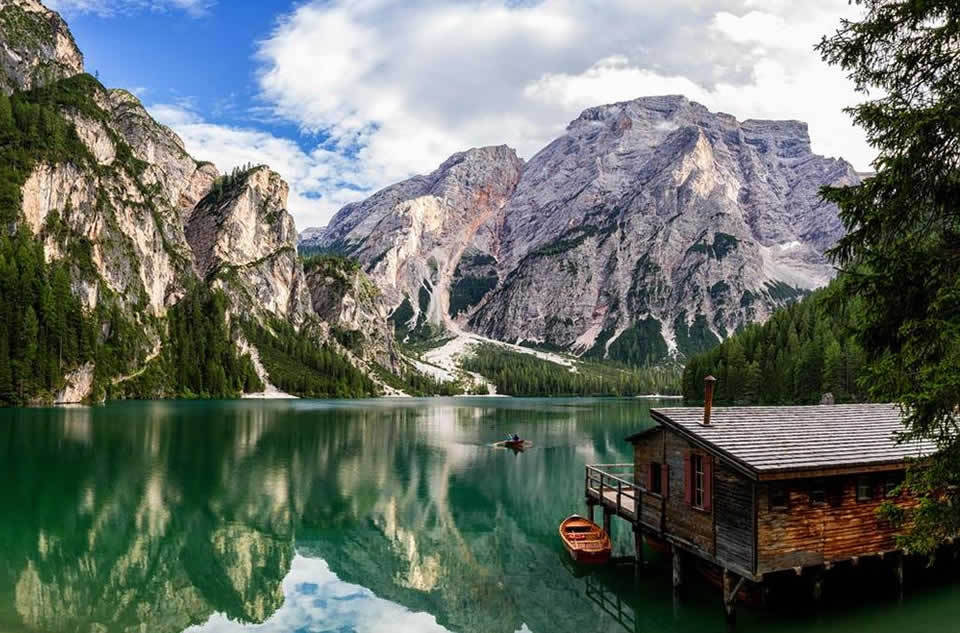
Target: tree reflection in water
386	515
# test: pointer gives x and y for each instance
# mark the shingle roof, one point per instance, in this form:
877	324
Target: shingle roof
773	439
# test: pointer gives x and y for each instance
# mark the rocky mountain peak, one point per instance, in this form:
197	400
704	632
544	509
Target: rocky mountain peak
244	239
36	46
650	227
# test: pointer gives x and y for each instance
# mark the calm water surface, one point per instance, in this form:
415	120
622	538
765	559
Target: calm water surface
366	516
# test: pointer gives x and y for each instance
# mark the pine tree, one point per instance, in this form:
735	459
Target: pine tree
900	253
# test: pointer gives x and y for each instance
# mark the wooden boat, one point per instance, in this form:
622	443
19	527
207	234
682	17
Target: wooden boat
517	445
585	541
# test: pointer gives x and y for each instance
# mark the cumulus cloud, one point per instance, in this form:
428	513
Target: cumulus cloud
396	87
113	7
315	599
309	173
383	89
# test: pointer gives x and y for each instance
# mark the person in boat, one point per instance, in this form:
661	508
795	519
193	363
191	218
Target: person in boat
515	437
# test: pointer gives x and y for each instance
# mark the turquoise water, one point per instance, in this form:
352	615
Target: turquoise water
366	516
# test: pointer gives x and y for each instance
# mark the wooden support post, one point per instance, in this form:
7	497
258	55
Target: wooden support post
898	572
677	571
817	589
638	552
638	546
730	590
606	520
590	506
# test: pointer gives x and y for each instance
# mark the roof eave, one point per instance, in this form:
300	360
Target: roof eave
639	434
741	466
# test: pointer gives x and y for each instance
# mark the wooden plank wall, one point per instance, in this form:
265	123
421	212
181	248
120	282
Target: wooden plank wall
648	449
683	521
806	534
733	505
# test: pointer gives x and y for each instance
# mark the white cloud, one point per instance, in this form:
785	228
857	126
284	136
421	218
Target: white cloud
397	87
315	599
309	174
113	7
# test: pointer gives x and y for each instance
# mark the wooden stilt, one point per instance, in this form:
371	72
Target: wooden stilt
606	520
817	589
898	571
677	571
638	546
590	506
730	589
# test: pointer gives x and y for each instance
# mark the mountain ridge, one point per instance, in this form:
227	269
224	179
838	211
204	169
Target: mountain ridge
660	219
176	269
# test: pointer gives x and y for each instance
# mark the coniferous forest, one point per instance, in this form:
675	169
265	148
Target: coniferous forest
802	352
517	374
300	366
42	327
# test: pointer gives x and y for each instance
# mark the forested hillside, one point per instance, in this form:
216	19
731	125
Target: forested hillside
517	374
803	351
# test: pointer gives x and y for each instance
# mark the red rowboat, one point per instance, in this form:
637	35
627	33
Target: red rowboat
585	541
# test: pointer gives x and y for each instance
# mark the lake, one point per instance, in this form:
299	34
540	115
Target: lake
368	516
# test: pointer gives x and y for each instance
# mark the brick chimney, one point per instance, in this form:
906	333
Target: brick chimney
708	384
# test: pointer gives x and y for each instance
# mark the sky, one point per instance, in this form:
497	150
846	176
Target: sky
344	97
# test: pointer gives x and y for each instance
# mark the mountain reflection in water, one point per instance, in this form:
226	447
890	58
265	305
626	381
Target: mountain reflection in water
379	515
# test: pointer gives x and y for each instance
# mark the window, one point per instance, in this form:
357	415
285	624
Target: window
779	497
656	481
696	463
818	492
864	488
698	481
890	484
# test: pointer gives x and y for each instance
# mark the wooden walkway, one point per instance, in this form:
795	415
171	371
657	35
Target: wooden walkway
611	486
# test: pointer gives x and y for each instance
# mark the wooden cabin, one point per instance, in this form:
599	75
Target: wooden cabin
761	490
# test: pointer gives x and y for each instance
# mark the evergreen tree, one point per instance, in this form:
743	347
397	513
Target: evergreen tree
791	359
900	254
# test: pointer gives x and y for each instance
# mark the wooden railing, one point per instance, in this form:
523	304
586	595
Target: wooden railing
603	480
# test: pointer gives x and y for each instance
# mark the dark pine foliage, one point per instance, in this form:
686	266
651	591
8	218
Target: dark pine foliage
201	356
298	365
803	351
43	330
518	374
901	254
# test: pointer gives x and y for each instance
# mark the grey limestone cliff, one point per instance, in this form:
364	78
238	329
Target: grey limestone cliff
651	227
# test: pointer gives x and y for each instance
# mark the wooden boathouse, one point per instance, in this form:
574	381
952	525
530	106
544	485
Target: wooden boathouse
755	491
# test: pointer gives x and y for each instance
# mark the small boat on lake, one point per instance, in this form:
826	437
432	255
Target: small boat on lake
585	541
515	443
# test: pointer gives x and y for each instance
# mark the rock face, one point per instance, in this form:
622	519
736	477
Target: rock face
244	240
79	385
651	227
139	221
349	302
412	236
37	47
114	212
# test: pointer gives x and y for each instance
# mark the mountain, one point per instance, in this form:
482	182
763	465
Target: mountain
37	46
651	228
131	269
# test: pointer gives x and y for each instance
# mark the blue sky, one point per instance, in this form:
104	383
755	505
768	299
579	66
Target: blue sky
343	97
202	60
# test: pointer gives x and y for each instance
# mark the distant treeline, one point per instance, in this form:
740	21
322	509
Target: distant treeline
518	374
803	351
